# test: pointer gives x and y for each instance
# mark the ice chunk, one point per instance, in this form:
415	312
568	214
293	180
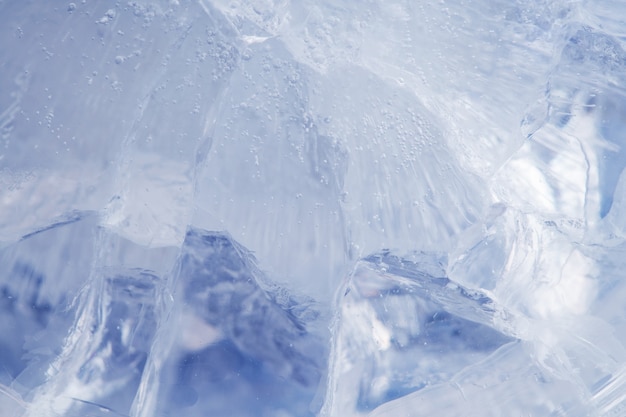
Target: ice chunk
481	142
572	161
403	326
409	340
272	179
41	277
81	312
233	343
501	384
105	352
173	121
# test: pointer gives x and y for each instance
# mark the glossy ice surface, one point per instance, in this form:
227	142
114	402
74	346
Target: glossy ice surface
309	208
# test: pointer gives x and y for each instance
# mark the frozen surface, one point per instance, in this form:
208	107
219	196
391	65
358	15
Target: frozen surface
310	208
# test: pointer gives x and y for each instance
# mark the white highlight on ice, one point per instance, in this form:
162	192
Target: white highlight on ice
196	334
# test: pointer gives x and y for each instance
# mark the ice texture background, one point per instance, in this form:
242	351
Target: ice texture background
310	208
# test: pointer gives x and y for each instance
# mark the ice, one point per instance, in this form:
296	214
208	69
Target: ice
38	293
503	383
312	208
232	343
403	326
81	328
86	345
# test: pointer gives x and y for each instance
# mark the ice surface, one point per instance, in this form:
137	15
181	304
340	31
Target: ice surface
276	208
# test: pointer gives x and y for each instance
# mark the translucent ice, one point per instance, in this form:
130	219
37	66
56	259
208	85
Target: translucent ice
231	345
300	208
225	332
402	326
